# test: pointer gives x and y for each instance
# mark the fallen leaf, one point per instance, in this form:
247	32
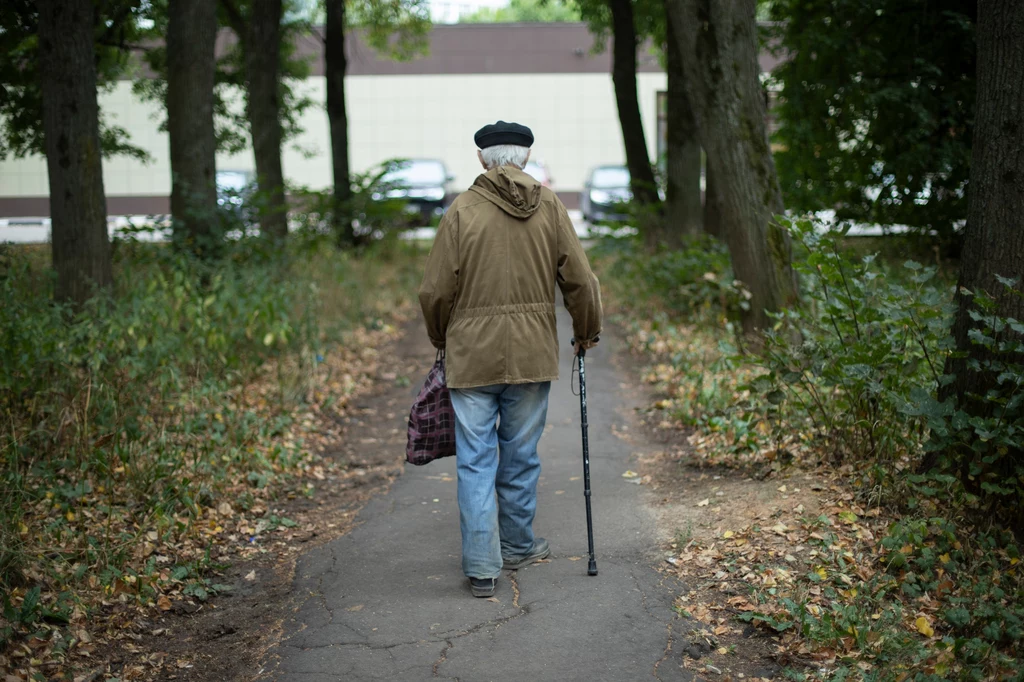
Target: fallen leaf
630	474
924	627
493	599
705	502
357	607
728	534
250	576
163	603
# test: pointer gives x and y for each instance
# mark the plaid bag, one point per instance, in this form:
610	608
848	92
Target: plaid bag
432	419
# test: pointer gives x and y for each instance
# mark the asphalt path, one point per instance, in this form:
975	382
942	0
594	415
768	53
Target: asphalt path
388	601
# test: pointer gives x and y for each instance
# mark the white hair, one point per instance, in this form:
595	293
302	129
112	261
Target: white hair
505	155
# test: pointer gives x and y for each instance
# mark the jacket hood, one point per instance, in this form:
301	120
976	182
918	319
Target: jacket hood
509	188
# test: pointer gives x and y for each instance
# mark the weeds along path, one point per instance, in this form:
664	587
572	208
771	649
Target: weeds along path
388	600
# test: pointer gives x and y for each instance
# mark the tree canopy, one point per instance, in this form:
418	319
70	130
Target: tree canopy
117	29
877	108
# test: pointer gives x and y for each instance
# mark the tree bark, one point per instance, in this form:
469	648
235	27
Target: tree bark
682	163
718	42
336	64
191	34
78	206
262	46
994	236
624	46
712	201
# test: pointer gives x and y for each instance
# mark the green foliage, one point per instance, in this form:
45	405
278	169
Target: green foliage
525	11
375	216
687	296
963	593
21	104
693	282
852	377
128	417
847	361
648	19
396	28
876	109
230	94
980	437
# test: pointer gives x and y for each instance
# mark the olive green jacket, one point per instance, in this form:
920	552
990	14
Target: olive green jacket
488	294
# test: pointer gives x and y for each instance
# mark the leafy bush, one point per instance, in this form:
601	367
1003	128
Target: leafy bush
684	304
692	282
850	359
854	377
127	418
980	437
939	604
375	217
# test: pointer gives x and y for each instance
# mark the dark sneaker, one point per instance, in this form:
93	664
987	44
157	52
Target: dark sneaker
540	551
482	587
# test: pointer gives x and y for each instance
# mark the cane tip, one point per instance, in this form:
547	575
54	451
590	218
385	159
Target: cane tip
592	570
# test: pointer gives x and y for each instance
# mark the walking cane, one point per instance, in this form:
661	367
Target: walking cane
592	566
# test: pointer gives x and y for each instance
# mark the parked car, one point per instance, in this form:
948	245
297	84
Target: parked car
423	183
539	171
606	189
234	186
236	190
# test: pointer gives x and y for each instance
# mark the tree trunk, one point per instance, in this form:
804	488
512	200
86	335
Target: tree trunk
718	42
994	236
336	64
78	207
262	64
191	33
624	46
712	201
682	155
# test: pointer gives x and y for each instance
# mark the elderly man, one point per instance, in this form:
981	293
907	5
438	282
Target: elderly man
488	298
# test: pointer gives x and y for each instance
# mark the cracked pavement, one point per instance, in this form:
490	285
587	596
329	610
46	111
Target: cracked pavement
388	601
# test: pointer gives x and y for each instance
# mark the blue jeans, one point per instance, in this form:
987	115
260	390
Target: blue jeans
498	468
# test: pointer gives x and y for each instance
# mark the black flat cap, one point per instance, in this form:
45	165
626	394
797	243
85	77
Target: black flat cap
503	133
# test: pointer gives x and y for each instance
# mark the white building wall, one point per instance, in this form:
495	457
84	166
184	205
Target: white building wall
573	117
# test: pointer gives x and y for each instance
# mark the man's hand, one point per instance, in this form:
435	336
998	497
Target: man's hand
587	345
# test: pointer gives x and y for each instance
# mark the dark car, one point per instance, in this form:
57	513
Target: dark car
605	191
422	183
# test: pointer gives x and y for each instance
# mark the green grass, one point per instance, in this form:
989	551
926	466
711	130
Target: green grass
124	423
847	382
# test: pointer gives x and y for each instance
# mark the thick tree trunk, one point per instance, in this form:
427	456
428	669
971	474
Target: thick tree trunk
262	64
624	46
682	163
712	201
336	64
994	237
78	207
191	33
718	42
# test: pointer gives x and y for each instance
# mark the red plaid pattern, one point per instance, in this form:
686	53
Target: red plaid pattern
431	420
